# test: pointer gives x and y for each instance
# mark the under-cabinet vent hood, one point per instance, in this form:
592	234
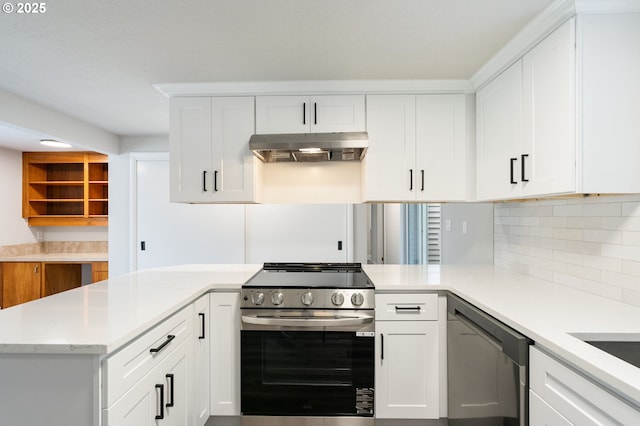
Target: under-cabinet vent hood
306	147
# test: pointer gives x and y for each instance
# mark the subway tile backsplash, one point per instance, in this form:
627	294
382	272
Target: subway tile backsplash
589	243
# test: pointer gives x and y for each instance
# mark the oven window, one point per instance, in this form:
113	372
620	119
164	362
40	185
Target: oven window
306	373
303	358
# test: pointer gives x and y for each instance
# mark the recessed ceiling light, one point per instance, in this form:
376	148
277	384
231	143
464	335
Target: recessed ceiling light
54	143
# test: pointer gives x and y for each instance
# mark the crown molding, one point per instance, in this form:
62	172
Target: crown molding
542	25
314	87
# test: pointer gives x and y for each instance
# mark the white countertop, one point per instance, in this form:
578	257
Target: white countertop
99	318
58	257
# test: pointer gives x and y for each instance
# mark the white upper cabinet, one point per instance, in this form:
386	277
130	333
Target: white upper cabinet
563	118
441	140
389	165
310	114
548	137
417	148
210	159
525	121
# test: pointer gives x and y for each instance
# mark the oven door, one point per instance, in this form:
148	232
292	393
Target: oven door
303	364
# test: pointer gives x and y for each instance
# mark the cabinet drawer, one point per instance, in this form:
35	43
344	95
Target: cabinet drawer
126	367
407	307
575	397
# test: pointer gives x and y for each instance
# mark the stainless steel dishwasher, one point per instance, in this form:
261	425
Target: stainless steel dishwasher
487	369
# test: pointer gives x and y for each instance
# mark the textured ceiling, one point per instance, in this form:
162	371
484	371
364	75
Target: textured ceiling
96	60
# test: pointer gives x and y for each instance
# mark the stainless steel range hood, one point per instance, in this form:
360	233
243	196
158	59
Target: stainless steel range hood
307	147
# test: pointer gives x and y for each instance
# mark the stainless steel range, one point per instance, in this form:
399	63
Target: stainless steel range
307	346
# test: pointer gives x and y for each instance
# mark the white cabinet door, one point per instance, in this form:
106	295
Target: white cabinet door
574	396
549	142
225	354
140	406
190	149
202	361
542	414
233	164
282	114
389	165
440	156
162	397
209	149
177	377
337	114
315	114
407	370
499	136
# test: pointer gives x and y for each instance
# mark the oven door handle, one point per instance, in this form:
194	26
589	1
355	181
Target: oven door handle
335	321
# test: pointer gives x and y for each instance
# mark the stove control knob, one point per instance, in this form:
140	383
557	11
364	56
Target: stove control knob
337	299
257	298
357	299
277	298
307	298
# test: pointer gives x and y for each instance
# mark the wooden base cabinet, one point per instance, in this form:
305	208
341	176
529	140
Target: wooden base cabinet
407	357
21	282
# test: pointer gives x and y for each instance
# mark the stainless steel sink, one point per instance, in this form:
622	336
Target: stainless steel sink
626	351
624	346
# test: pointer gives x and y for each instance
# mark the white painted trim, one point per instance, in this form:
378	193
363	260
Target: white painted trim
535	31
314	87
133	200
607	6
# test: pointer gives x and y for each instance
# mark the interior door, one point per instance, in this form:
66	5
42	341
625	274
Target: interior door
173	234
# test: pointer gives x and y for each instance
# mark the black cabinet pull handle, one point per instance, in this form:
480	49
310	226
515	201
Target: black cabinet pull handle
170	381
410	179
304	113
422	178
408	308
204	181
201	318
511	171
161	405
170	337
215	181
522	157
315	113
381	346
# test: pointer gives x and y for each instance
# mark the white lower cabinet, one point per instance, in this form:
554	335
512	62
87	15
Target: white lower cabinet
561	396
162	397
407	357
202	361
225	354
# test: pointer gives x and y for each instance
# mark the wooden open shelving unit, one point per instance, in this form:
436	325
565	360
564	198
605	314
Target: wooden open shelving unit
65	188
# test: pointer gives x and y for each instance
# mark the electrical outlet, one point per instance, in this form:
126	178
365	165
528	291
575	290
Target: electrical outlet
464	226
447	225
39	236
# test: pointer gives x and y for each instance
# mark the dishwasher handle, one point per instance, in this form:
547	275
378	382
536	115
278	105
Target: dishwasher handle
509	341
492	340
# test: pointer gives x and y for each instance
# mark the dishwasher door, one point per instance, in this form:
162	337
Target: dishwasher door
487	369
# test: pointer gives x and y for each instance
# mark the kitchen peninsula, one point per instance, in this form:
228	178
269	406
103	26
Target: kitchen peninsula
58	355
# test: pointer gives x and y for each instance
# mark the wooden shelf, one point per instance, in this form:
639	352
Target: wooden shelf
65	189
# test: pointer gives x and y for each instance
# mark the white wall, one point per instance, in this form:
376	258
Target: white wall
473	245
592	243
13	228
